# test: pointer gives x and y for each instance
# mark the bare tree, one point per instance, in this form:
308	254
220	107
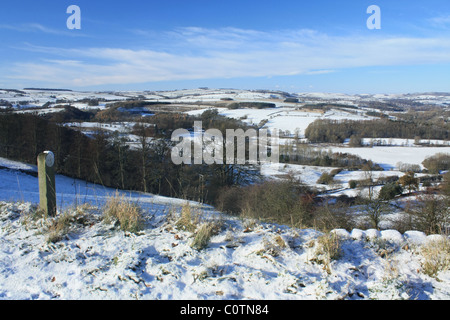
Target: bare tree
144	144
430	213
373	205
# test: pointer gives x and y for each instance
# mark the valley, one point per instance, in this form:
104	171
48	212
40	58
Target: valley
342	216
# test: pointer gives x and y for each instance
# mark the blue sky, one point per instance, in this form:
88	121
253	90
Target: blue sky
296	46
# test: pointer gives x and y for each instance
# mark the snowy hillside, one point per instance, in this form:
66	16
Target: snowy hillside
19	182
242	260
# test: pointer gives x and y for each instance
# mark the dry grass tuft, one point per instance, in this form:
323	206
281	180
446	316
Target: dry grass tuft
188	220
126	213
204	234
436	257
59	228
328	248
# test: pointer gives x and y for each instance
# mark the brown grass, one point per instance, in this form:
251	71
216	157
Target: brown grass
436	257
126	213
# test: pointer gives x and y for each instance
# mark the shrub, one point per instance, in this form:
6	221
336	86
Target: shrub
336	171
352	184
355	141
284	202
127	214
325	178
405	167
409	181
229	200
374	208
390	190
334	216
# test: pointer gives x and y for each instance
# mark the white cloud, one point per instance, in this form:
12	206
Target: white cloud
199	53
37	27
441	22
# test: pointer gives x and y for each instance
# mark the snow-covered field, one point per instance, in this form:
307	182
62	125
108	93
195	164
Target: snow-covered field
403	142
284	118
310	174
389	157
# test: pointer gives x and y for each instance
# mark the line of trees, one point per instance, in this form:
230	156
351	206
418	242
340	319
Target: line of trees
106	158
304	154
334	131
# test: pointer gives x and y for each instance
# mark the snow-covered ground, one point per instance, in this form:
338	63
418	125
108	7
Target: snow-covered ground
389	157
38	98
310	174
96	260
340	185
243	260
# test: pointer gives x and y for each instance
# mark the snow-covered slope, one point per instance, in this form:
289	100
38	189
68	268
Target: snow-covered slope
97	261
16	185
243	260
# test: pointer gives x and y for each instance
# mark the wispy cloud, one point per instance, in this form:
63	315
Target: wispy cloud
37	27
441	21
199	53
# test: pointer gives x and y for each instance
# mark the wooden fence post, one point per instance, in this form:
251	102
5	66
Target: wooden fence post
47	188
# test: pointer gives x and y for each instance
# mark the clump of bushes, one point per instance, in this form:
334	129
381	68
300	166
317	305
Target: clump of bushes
429	214
409	181
437	163
285	202
353	184
328	178
406	167
325	178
